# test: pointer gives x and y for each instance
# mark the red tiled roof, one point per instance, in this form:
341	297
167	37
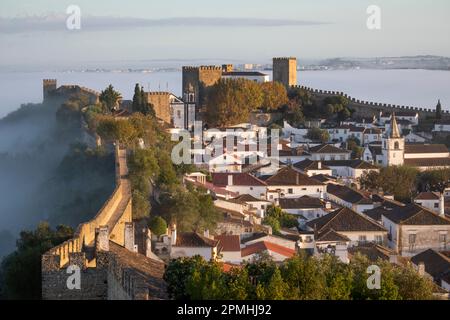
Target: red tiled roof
239	179
290	177
266	246
428	196
229	242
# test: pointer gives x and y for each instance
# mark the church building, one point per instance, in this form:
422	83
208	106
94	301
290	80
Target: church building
394	151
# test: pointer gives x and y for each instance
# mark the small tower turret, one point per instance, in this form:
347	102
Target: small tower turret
48	86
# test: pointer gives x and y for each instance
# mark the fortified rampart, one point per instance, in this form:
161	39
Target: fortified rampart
103	250
65	92
161	104
367	109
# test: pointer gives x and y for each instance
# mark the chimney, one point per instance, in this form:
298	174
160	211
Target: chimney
319	165
297	179
129	236
174	234
230	179
421	268
102	238
206	233
148	242
441	205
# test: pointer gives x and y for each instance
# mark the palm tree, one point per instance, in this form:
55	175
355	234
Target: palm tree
110	97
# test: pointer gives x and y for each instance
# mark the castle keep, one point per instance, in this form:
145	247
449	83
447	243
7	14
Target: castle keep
197	79
285	71
66	92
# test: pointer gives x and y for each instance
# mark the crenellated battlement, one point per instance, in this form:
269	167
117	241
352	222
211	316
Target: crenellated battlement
370	105
116	209
284	58
158	93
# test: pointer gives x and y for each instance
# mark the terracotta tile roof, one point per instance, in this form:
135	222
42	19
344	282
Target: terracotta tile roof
413	214
330	235
226	267
244	198
426	148
193	240
427	162
229	242
436	264
355	164
344	220
327	148
239	179
372	251
304	202
428	196
262	246
348	194
323	178
290	177
310	165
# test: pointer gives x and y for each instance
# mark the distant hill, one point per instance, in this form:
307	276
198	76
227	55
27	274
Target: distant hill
408	62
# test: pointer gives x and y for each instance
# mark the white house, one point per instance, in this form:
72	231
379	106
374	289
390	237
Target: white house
230	248
255	76
290	183
312	168
241	183
325	152
350	169
349	198
413	229
350	225
433	201
189	244
307	207
442	126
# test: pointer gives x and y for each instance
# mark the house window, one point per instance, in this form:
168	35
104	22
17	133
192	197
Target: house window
419	203
436	205
443	241
412	241
290	191
379	239
362	239
251	188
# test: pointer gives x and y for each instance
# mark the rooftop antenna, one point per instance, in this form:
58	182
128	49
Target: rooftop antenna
167	86
148	86
159	86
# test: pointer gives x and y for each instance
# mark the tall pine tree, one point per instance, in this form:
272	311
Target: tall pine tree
439	110
137	98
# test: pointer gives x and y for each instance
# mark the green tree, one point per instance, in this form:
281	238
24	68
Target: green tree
230	101
439	110
110	97
353	144
317	134
158	226
274	96
21	270
137	98
123	131
400	181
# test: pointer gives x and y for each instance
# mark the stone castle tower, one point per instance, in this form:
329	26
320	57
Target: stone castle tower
393	146
285	71
197	79
49	86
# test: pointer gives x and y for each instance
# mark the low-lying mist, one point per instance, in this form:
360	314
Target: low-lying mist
46	173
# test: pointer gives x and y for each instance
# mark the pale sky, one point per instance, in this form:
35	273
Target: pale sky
33	33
